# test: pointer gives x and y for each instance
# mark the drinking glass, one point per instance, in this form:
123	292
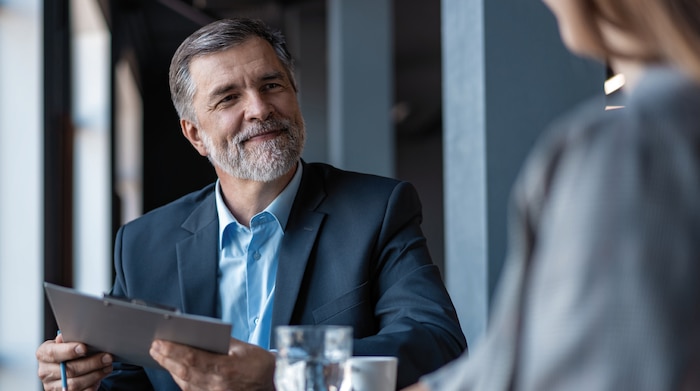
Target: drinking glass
312	358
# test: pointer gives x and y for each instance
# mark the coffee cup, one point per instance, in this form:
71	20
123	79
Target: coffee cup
371	373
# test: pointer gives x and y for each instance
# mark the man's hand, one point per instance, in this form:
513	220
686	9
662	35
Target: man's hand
246	367
82	372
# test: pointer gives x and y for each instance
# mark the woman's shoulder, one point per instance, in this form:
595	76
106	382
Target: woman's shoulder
655	136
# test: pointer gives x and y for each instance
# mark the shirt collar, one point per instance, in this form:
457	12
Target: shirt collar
280	207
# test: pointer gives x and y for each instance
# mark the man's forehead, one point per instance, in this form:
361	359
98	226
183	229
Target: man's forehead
251	49
252	58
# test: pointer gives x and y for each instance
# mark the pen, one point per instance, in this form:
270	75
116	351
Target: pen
64	379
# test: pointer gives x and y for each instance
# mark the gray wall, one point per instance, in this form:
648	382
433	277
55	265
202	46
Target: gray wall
360	85
506	75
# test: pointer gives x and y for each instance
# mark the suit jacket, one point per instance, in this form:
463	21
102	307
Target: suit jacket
352	254
600	289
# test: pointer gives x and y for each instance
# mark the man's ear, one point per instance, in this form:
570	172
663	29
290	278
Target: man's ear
191	132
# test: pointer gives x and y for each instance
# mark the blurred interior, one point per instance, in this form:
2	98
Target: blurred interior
448	95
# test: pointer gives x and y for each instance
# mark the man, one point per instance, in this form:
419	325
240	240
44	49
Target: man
274	241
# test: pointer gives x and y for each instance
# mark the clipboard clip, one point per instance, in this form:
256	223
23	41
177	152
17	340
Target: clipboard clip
121	299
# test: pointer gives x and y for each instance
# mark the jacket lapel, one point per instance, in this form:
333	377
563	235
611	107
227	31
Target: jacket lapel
197	255
299	238
197	260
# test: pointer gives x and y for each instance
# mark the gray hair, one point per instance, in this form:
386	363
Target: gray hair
216	37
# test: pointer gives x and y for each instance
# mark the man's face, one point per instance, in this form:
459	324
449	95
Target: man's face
248	118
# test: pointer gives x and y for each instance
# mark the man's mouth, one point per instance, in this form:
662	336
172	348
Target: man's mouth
268	135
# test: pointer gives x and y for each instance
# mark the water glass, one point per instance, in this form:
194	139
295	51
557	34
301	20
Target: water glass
312	358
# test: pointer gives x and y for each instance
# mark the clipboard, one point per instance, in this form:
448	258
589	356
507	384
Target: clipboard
125	328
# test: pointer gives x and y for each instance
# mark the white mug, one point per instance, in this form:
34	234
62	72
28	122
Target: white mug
371	373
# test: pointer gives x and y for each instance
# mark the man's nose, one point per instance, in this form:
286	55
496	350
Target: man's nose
257	107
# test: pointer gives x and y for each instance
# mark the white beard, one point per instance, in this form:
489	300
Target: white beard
261	161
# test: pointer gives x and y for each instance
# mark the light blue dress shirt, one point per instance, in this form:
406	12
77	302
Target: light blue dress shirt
248	260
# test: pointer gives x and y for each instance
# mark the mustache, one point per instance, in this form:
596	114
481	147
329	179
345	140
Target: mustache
259	128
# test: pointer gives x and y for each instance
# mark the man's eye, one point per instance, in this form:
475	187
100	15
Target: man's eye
272	86
228	98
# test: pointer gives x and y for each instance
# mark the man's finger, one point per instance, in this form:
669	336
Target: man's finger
53	352
98	362
186	364
87	381
171	356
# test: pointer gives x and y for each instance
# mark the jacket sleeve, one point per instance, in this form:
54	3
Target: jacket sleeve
417	320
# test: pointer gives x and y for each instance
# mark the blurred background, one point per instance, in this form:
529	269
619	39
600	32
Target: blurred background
448	95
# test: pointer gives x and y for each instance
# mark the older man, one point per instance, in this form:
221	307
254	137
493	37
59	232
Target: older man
273	241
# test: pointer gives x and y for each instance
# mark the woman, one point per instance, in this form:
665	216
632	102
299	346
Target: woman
601	288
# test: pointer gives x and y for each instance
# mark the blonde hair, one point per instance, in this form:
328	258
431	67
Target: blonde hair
671	28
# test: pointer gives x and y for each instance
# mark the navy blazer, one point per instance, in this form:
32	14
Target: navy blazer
353	253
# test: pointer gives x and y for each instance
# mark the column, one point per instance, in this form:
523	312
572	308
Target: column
506	75
361	136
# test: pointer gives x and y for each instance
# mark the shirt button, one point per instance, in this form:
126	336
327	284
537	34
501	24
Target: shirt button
256	321
256	255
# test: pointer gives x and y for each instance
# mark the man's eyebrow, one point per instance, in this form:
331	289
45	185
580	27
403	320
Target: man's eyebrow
276	75
227	88
222	90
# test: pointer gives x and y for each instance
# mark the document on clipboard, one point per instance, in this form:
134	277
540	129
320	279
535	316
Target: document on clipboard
126	328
